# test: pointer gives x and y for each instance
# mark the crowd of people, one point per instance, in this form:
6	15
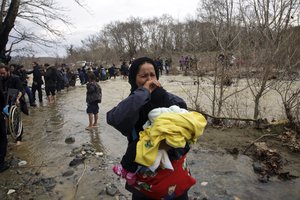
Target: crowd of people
187	63
15	85
154	164
25	86
104	73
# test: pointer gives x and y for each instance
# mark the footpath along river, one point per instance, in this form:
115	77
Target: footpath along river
220	175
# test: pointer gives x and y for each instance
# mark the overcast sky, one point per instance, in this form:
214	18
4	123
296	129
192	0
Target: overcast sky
99	13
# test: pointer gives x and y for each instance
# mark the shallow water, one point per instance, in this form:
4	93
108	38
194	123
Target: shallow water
230	177
47	127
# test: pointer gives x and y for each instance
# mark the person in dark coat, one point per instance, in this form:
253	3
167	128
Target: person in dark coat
19	71
112	71
51	81
129	117
37	81
12	82
3	135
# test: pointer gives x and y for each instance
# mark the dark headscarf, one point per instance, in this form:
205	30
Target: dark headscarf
134	69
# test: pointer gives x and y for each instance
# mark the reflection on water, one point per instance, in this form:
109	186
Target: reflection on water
95	139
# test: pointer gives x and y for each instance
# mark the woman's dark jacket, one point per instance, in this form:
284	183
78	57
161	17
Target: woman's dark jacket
127	114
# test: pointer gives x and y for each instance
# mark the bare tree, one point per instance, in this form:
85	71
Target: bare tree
290	96
225	31
198	36
287	85
133	36
8	17
113	32
151	39
164	33
23	20
266	23
178	32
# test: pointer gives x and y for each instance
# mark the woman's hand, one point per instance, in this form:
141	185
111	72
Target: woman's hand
151	85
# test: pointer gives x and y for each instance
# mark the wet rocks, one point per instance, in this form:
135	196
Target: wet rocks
81	153
232	151
111	190
86	150
99	154
47	183
76	161
285	176
258	167
11	191
22	162
68	173
14	162
69	140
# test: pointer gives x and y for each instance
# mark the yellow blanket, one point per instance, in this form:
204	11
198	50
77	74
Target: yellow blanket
175	128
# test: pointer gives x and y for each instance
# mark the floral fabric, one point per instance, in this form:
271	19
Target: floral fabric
165	183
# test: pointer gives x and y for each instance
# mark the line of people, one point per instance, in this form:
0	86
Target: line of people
53	78
187	63
14	85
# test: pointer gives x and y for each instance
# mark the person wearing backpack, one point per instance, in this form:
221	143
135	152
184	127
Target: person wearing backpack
93	98
3	134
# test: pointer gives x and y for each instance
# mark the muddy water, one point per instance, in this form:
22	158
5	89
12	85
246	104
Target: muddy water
239	98
231	177
46	128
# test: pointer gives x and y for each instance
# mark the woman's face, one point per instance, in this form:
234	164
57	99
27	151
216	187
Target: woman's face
145	74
